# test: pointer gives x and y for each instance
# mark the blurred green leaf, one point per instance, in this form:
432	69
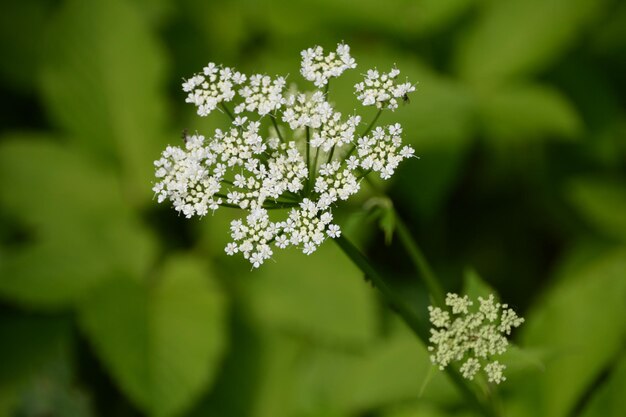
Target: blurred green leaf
525	112
28	343
516	37
275	390
474	286
421	409
381	209
610	36
19	48
55	391
602	202
321	296
609	398
101	81
405	18
36	168
581	321
77	230
391	370
162	342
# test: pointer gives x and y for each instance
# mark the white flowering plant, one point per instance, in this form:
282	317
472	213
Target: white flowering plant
472	337
292	151
306	159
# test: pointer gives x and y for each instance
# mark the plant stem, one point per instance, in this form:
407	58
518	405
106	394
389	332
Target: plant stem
312	177
280	136
415	323
371	125
365	132
419	261
330	155
227	111
308	159
419	327
415	253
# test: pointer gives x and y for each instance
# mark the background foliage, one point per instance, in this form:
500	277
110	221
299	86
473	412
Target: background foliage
113	306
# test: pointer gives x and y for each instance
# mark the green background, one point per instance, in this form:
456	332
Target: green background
112	305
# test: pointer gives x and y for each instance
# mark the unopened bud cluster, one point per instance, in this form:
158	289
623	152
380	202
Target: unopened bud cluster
472	336
285	149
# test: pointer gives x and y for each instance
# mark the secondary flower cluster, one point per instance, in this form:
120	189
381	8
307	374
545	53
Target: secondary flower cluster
285	149
473	337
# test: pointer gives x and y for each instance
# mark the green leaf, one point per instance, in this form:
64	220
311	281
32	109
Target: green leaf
20	50
517	37
381	208
321	296
402	18
44	183
526	112
474	286
602	203
420	409
103	86
162	342
28	344
350	382
581	321
609	399
78	230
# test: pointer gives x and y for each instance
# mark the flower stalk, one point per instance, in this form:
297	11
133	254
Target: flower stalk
419	327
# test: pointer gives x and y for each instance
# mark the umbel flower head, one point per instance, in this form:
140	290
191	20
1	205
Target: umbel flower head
472	336
285	149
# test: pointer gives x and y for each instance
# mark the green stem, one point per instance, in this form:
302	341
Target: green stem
371	125
267	207
227	111
330	155
415	323
419	261
317	155
364	175
419	327
308	159
415	253
365	132
280	136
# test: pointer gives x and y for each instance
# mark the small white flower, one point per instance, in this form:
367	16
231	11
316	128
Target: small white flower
262	95
382	151
334	132
334	231
381	90
470	368
189	178
495	371
214	86
307	110
319	68
242	166
471	336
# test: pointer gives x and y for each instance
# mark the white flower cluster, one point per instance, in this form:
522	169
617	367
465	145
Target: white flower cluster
211	88
473	337
307	165
383	151
381	90
262	94
319	68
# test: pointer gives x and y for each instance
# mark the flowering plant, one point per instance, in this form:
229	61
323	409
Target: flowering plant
291	149
307	158
475	336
